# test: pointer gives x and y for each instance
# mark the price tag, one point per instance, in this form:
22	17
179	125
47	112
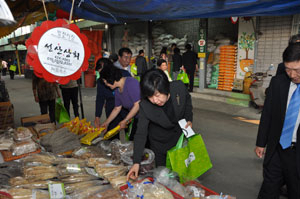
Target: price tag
73	168
57	191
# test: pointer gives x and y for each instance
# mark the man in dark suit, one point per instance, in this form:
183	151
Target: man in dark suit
278	130
189	62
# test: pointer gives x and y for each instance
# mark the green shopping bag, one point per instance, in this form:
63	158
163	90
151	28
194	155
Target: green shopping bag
133	69
61	114
183	76
189	161
13	68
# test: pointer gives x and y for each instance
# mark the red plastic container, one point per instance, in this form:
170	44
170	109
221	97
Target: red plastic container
208	192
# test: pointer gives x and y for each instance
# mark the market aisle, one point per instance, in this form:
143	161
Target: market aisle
230	142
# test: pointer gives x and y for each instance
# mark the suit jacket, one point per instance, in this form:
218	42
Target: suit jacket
141	64
189	61
272	118
164	134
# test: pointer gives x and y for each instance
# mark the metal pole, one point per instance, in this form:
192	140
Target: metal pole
202	51
80	99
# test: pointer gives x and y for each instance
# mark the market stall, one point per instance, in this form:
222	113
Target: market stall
42	161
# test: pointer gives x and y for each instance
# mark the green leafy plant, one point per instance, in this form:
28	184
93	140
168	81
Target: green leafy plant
246	42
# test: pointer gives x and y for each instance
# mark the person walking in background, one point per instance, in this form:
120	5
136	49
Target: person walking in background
69	93
278	132
123	63
141	63
177	62
4	67
45	94
11	72
189	62
162	65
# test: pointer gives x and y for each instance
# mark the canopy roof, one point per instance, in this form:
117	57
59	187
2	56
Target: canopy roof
120	11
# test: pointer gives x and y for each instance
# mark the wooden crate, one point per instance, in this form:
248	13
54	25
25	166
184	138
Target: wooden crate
6	115
33	120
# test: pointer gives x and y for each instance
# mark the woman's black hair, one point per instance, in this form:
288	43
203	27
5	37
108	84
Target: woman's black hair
111	74
152	81
160	61
102	62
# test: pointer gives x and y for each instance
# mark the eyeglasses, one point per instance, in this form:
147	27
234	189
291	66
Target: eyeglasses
288	70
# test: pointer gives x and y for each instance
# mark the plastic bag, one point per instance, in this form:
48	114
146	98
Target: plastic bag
80	186
93	162
61	114
22	134
194	192
86	193
107	194
80	162
20	193
108	171
39	159
40	173
69	169
23	148
88	152
79	177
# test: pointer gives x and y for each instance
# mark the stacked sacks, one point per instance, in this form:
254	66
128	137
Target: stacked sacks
137	42
162	39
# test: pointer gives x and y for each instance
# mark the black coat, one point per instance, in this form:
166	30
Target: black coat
177	62
272	118
189	61
154	124
141	64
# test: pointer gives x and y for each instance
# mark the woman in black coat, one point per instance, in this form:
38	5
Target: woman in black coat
162	105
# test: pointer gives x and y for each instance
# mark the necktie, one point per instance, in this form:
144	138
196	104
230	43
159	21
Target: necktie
290	119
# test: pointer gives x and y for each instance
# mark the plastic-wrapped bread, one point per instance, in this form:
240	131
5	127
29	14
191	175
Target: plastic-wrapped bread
39	159
21	148
20	193
22	134
80	162
40	173
69	169
119	181
15	181
77	178
89	191
93	162
108	194
41	184
80	186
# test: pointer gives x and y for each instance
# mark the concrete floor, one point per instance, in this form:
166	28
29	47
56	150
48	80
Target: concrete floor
230	142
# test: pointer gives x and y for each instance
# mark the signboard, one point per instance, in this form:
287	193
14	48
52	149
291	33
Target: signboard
234	20
58	51
5	14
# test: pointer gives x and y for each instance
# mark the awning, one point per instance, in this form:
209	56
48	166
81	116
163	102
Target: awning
120	11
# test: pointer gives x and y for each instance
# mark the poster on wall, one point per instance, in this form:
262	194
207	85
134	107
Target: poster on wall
246	44
57	51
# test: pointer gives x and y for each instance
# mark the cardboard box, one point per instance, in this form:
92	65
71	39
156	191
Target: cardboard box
238	84
39	119
6	115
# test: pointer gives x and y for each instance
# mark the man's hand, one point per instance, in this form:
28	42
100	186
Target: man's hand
36	99
123	124
189	123
97	122
259	151
133	172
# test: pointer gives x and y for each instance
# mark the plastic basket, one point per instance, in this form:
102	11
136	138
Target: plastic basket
208	192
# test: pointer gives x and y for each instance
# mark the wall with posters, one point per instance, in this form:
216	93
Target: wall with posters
246	45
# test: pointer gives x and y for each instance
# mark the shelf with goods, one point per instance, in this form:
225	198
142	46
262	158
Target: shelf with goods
227	67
